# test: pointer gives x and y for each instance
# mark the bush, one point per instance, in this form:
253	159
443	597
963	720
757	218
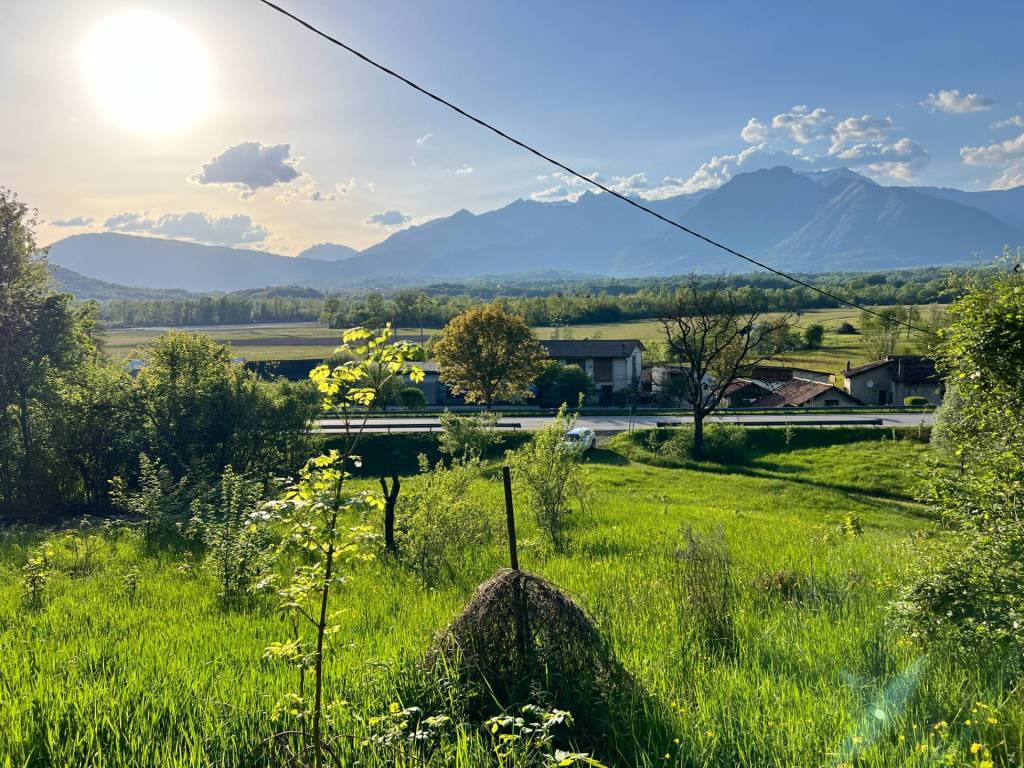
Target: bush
159	502
235	543
468	437
723	444
814	336
552	478
846	329
438	520
557	384
412	398
915	400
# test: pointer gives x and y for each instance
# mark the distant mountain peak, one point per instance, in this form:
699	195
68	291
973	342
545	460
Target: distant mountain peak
328	252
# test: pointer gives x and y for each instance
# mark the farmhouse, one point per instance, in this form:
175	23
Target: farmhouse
774	376
613	364
744	393
800	393
892	380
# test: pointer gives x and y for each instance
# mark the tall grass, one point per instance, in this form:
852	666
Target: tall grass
168	677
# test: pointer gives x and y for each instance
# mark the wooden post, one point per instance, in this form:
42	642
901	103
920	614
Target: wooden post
510	516
390	500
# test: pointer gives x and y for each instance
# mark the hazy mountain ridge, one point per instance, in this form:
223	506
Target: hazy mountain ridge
809	222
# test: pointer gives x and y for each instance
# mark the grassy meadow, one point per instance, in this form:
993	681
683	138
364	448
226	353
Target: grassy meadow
131	661
309	340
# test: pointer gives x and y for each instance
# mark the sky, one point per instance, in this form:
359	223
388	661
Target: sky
225	123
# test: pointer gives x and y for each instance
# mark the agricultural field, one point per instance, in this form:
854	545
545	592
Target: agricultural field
291	341
130	660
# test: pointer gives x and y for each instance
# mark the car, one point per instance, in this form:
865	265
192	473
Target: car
580	439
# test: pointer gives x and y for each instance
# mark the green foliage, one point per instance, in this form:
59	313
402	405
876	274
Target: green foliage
230	531
814	335
723	443
552	479
527	739
412	398
468	437
915	400
158	501
705	592
439	519
559	384
487	354
971	597
36	574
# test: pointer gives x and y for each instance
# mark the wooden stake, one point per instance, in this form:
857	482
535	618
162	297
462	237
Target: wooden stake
510	516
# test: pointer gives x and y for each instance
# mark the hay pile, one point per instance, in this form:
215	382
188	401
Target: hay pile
520	636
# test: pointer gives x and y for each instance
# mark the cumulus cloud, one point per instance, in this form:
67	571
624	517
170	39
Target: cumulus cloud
250	166
994	154
390	218
76	221
858	129
799	124
901	159
194	225
1010	178
550	194
305	190
951	101
1011	122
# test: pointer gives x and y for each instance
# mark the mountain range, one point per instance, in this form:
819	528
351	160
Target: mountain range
805	222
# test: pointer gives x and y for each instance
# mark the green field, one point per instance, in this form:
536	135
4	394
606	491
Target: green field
820	676
305	340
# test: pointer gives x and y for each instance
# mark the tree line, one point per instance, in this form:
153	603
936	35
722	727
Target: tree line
539	303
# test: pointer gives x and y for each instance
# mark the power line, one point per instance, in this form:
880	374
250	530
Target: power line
573	172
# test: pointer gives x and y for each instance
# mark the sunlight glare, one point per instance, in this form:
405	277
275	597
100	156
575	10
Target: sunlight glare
150	74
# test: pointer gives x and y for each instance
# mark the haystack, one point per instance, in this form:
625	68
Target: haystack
521	636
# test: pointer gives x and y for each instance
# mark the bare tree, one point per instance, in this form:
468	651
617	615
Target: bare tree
717	337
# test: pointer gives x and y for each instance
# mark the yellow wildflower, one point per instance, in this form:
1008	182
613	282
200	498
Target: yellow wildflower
975	748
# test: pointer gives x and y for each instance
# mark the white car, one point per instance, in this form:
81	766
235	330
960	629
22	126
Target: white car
580	439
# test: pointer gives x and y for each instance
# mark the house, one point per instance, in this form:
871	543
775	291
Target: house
433	389
615	365
774	376
669	382
800	393
892	380
744	393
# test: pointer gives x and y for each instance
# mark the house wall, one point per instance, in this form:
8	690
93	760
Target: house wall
824	399
895	391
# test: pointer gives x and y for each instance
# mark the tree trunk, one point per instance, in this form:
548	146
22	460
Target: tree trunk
26	438
390	500
698	434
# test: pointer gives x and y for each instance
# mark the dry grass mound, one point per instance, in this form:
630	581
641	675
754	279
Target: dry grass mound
521	638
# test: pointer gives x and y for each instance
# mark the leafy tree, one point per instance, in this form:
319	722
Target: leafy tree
559	384
880	334
466	438
487	354
42	337
814	336
314	517
974	594
713	332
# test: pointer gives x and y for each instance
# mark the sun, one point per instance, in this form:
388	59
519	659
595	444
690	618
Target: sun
150	74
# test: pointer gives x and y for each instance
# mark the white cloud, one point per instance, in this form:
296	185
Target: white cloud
1010	178
463	170
994	154
304	189
250	166
390	218
76	221
194	225
1011	122
951	101
422	140
801	125
754	132
863	128
714	173
550	194
902	159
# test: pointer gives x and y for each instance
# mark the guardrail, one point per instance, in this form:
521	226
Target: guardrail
421	427
785	422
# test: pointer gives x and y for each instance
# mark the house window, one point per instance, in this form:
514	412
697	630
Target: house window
883	397
602	369
831	403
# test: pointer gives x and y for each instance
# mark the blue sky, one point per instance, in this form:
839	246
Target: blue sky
298	143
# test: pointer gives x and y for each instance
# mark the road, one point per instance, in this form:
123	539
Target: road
613	424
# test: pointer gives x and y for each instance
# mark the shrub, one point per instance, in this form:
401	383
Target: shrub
557	384
915	400
235	546
814	336
438	520
412	398
846	329
468	437
37	573
552	478
160	503
705	594
723	443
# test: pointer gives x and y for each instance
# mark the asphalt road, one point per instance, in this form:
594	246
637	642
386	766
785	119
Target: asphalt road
613	424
